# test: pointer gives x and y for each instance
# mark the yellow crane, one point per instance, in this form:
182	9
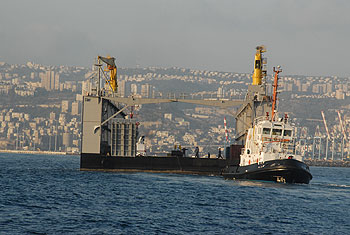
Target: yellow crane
259	71
112	68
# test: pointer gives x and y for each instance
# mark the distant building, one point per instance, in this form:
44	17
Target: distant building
133	89
8	118
52	116
65	106
5	88
122	88
32	75
298	84
145	90
288	87
86	87
26	117
50	80
304	87
62	119
67	140
36	137
168	116
79	97
220	92
339	94
323	88
75	108
315	88
329	88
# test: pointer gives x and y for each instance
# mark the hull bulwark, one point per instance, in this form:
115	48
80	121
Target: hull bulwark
286	171
153	164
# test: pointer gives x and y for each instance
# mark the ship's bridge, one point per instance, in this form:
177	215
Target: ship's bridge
269	140
269	131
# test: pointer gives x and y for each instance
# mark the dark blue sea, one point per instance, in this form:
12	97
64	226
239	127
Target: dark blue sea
49	195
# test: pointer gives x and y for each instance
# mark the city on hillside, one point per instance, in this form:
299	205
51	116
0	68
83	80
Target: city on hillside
40	108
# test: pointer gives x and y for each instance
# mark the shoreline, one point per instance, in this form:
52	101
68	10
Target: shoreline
36	152
327	163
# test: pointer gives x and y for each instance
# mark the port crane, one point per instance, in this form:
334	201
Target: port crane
341	124
328	135
344	135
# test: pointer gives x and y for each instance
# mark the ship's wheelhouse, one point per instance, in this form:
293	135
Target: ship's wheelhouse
269	141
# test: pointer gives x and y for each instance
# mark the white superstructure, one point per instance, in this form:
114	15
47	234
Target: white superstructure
269	140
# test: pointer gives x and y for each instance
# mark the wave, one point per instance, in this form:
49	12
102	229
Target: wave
331	185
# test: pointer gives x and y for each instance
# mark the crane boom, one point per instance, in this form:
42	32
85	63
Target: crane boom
110	61
325	125
341	124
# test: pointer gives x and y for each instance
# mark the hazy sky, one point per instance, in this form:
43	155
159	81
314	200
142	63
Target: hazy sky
309	37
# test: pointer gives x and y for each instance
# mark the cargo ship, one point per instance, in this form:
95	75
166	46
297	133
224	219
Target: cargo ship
109	135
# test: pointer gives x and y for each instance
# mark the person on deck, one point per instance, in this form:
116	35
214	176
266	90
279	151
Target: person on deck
219	154
196	152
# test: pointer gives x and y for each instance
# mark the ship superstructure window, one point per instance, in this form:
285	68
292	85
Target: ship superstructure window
266	131
276	131
287	132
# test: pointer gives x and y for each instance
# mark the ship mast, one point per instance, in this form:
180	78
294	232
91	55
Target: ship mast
275	85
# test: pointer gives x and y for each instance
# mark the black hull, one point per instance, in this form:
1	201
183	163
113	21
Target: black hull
286	171
153	164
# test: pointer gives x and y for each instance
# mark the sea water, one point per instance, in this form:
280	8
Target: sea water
42	194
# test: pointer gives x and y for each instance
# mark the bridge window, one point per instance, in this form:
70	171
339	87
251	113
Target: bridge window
287	132
266	131
276	131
